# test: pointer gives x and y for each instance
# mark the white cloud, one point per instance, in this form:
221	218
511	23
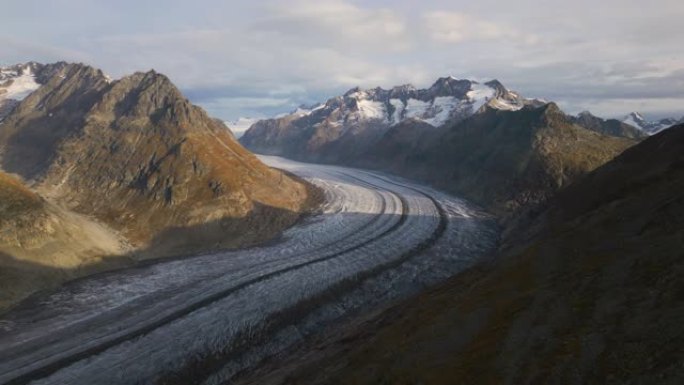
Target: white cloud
19	49
336	22
456	27
654	108
245	57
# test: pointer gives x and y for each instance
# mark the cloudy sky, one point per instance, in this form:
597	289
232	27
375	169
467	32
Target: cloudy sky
259	58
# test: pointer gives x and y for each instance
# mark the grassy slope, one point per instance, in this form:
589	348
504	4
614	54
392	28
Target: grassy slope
42	244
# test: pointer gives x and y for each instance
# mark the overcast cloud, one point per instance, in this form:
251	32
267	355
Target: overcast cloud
250	58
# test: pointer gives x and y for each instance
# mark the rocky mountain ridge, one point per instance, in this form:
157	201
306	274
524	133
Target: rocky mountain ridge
503	152
366	114
137	157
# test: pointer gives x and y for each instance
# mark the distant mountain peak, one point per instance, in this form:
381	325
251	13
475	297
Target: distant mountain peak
636	115
637	120
447	101
450	86
496	84
352	91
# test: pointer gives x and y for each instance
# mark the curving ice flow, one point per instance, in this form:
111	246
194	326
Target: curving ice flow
378	239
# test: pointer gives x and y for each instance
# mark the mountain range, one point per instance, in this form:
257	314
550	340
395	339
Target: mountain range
480	141
135	157
363	115
446	102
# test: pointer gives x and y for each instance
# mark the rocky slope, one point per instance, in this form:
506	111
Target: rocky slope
503	160
138	157
589	292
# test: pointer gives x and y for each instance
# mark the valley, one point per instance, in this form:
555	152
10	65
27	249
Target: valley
341	192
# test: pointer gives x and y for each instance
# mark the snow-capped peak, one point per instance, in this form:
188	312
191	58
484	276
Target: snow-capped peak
447	100
480	94
637	120
636	116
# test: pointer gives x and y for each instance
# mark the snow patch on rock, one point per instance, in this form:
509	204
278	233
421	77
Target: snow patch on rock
480	94
442	108
372	110
17	86
416	109
398	110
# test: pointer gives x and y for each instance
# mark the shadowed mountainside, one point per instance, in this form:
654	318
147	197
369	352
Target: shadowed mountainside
503	160
589	291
